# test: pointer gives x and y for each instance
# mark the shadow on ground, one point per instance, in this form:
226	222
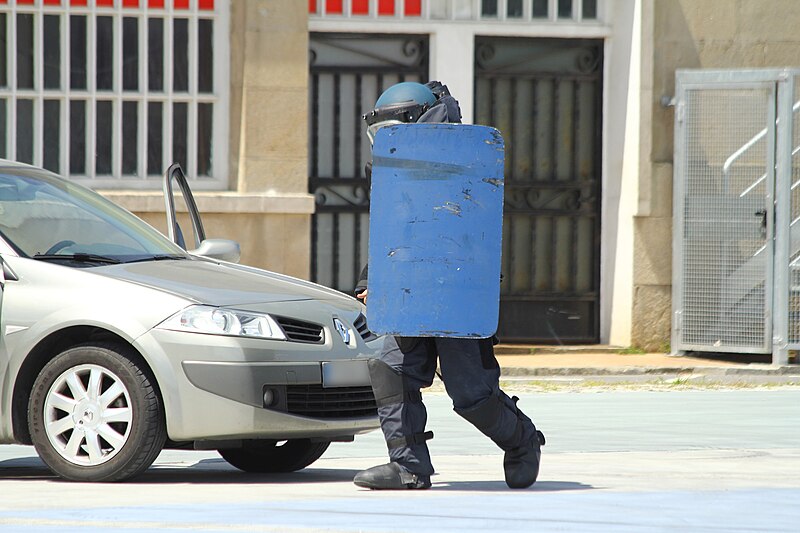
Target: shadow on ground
500	486
207	471
739	358
217	471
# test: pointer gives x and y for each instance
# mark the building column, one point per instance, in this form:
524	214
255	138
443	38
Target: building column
453	63
622	87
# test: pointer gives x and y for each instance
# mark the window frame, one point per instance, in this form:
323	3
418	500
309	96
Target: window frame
219	98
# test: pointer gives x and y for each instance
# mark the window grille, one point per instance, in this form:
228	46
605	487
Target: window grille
111	92
483	10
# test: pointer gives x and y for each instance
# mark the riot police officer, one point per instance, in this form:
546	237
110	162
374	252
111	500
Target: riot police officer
469	369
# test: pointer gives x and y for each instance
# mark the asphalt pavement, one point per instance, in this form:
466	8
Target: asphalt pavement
615	461
635	443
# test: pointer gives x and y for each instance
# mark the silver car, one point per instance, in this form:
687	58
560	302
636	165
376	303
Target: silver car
115	342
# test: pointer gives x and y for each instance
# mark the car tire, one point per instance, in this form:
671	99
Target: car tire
266	457
94	414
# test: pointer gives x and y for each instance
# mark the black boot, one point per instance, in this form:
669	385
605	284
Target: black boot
501	420
391	476
521	465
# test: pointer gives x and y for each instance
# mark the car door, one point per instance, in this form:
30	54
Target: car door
5	275
3	354
224	249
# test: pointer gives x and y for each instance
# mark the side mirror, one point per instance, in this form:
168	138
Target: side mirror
222	249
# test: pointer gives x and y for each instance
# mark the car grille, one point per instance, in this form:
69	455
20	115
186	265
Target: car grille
360	324
299	331
340	402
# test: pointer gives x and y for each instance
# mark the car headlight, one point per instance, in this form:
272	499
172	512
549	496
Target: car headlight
222	321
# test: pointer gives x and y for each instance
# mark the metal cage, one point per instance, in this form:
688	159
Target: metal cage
736	247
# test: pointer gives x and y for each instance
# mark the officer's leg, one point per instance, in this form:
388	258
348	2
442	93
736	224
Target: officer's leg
471	376
396	380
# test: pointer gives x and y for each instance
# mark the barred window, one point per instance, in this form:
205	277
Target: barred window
111	92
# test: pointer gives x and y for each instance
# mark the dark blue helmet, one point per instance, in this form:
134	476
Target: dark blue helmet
402	102
407	91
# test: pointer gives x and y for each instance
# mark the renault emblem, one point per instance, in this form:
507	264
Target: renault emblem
342	329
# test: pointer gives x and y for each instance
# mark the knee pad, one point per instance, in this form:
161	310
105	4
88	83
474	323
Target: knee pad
387	383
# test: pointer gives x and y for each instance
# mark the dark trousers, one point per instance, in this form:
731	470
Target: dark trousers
471	376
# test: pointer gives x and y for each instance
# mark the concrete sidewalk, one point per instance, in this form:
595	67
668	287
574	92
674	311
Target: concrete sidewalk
529	360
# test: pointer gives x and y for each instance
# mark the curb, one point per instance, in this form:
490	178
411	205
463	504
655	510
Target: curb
748	370
510	349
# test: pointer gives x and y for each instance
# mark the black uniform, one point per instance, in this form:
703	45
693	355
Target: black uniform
470	373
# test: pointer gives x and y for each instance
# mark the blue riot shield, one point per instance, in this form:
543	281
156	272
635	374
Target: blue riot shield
436	215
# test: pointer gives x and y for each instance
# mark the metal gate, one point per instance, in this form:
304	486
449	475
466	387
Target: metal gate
347	74
545	96
736	239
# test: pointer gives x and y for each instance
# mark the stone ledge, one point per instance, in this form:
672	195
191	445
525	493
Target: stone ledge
217	202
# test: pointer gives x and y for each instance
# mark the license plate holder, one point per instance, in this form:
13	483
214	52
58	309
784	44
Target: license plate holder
351	373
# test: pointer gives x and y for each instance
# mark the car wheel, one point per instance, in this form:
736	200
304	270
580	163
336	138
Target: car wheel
94	414
271	457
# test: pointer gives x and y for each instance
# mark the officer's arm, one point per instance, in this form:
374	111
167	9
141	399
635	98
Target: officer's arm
361	285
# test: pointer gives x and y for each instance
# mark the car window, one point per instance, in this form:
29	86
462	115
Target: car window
41	214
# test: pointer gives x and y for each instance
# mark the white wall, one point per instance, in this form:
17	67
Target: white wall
620	171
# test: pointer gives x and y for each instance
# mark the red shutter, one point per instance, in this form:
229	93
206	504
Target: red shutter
333	6
385	7
413	8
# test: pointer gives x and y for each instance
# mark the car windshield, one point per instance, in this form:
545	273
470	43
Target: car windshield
45	217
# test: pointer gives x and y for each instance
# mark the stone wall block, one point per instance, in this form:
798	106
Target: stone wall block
734	53
261	174
652	253
773	20
652	314
273	127
704	19
296	248
277	59
661	190
275	16
782	54
663	133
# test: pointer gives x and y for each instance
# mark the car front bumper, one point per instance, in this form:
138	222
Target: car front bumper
214	387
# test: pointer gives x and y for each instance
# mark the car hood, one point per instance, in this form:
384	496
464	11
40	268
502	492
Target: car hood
219	283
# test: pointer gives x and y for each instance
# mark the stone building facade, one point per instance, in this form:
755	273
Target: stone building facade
264	199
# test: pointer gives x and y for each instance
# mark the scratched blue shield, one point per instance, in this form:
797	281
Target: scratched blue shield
436	215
